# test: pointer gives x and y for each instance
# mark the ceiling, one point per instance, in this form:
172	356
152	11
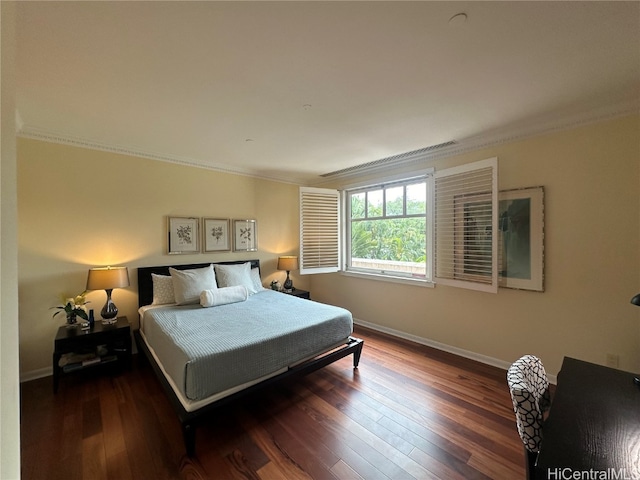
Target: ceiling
295	90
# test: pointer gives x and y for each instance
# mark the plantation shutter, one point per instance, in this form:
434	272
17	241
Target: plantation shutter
319	230
466	226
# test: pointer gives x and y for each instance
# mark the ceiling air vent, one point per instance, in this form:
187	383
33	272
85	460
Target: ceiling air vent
389	160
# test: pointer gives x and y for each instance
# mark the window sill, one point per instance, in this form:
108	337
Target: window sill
387	278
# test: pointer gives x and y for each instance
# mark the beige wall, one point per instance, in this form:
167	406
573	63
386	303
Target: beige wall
592	253
69	221
79	208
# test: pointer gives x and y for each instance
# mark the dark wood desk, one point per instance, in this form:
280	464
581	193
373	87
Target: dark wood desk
593	424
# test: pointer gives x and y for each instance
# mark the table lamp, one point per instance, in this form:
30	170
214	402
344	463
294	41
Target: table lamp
288	263
108	278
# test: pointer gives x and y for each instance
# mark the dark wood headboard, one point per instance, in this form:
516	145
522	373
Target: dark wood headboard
145	283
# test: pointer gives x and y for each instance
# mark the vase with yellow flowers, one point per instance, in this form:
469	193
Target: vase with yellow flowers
73	307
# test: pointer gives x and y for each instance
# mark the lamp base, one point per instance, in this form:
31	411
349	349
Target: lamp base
288	284
109	312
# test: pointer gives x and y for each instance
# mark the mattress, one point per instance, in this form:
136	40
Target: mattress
205	351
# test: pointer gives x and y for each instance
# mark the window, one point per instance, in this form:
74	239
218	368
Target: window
386	229
438	227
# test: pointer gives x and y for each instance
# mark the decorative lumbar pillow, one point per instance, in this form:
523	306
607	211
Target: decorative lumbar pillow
187	284
223	296
162	289
233	275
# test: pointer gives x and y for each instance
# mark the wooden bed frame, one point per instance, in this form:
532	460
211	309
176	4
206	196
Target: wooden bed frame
189	420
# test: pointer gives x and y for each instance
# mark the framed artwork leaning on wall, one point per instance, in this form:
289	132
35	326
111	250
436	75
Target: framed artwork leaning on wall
521	238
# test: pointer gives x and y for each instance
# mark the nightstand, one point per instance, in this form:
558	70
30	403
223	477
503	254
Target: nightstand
76	350
299	293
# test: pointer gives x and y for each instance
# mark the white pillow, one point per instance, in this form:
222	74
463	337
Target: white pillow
162	289
233	275
257	281
187	284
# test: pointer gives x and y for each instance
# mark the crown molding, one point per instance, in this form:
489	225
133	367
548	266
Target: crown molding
551	125
35	133
493	138
477	142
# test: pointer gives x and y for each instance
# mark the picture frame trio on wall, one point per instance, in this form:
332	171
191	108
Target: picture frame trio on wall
183	235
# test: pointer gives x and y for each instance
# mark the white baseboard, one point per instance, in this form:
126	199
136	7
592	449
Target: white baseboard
494	362
48	371
35	374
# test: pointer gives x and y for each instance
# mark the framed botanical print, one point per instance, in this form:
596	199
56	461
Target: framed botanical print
521	239
183	235
245	236
215	232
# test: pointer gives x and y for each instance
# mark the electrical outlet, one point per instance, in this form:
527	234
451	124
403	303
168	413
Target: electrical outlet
612	360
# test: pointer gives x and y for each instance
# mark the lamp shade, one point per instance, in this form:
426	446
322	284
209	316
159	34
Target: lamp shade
106	278
288	263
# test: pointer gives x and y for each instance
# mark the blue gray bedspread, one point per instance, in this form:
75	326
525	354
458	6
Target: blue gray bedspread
209	350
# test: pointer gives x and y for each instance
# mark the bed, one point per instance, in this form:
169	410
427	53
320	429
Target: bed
247	338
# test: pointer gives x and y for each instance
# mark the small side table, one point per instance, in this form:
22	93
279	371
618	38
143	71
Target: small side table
92	348
298	293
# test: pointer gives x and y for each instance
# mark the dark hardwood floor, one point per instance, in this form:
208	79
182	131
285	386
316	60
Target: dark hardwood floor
408	411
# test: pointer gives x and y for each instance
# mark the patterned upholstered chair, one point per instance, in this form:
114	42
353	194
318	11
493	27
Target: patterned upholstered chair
529	388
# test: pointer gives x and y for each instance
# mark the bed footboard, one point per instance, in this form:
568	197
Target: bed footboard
358	351
190	420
